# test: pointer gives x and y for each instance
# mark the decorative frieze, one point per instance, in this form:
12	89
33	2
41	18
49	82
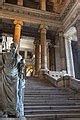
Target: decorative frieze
28	11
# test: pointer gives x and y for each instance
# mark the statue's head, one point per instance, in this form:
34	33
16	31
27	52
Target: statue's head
13	48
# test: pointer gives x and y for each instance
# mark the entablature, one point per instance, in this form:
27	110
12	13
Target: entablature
29	15
35	16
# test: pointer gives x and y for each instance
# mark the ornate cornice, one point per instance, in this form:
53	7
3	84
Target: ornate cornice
37	13
29	15
32	15
71	4
28	11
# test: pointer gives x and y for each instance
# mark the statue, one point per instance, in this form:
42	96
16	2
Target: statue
12	78
21	86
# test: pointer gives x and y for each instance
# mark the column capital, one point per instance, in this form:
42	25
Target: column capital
36	41
43	28
18	22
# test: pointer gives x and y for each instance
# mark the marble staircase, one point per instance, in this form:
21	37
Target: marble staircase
43	101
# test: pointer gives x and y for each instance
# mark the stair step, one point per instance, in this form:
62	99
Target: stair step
51	101
45	101
68	115
54	95
54	104
52	111
50	98
52	107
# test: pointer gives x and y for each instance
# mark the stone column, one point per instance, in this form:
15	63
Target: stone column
43	4
36	42
17	31
43	31
62	50
52	57
20	2
78	45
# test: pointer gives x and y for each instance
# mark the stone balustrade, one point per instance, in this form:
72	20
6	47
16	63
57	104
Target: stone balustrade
56	75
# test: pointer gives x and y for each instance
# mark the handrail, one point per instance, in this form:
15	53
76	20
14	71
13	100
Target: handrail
63	81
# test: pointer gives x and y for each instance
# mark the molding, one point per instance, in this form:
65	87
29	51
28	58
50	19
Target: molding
69	7
34	16
72	16
29	15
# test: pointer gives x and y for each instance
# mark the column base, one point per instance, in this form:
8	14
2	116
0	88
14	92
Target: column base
41	73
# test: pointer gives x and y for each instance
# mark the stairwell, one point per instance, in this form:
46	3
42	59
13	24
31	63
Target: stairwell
42	101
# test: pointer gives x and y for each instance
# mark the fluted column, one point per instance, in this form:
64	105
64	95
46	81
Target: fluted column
36	43
78	45
62	50
43	31
20	2
43	4
17	31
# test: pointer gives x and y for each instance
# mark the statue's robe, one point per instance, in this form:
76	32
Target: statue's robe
9	79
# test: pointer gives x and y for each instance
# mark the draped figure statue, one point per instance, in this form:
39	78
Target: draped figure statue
11	82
